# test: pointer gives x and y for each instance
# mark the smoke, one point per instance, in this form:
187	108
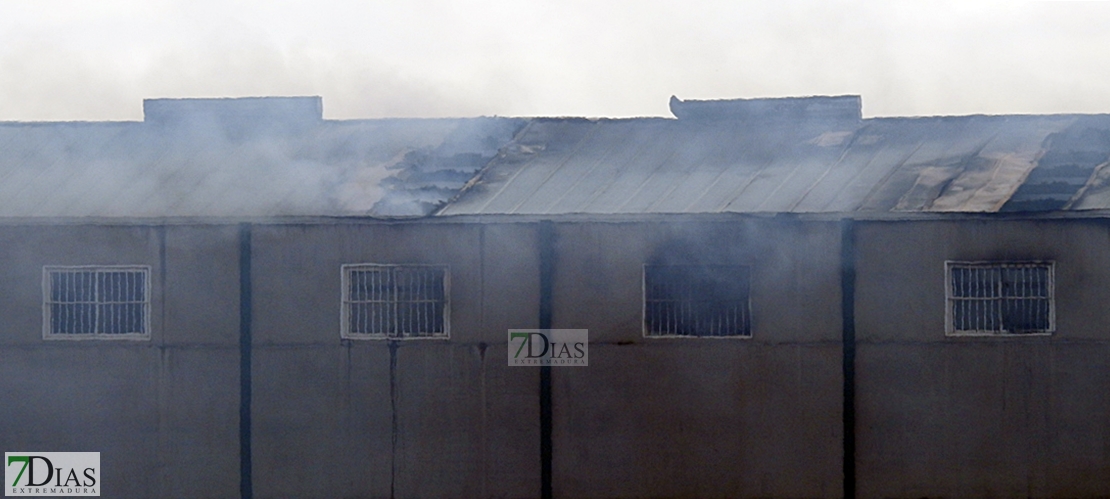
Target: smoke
64	60
52	83
244	157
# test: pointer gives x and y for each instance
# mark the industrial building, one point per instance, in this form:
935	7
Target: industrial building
237	297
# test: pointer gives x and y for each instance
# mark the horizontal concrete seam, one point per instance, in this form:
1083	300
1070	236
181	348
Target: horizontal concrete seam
661	343
1039	341
109	344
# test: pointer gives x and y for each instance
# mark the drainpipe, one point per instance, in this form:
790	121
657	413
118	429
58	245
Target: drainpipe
848	347
547	270
245	485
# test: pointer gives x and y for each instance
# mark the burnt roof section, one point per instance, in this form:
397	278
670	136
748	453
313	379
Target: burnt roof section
1066	170
278	157
817	156
249	157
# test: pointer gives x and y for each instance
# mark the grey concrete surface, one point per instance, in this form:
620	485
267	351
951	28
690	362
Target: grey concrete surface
942	416
936	416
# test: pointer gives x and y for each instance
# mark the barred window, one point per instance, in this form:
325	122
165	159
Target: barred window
106	302
1003	298
395	301
696	301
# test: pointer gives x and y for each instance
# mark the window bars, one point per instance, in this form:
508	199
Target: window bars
987	298
395	301
697	301
107	302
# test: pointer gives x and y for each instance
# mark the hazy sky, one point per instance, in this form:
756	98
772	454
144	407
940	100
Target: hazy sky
97	59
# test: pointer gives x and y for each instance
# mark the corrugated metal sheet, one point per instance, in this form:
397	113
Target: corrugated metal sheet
210	166
968	164
273	157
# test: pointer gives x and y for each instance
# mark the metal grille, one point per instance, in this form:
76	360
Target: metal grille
90	301
696	300
1000	298
384	301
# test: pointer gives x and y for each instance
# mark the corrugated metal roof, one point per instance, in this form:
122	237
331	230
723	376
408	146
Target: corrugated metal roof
257	157
273	157
803	164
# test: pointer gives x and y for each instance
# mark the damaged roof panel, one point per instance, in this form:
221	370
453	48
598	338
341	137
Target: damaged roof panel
1067	169
255	157
705	162
273	157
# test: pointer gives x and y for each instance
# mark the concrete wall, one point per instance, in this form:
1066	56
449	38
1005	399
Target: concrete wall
432	418
444	418
758	417
700	417
164	412
981	416
367	418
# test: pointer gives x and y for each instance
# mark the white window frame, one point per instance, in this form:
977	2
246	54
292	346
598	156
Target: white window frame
47	332
345	302
747	306
950	299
